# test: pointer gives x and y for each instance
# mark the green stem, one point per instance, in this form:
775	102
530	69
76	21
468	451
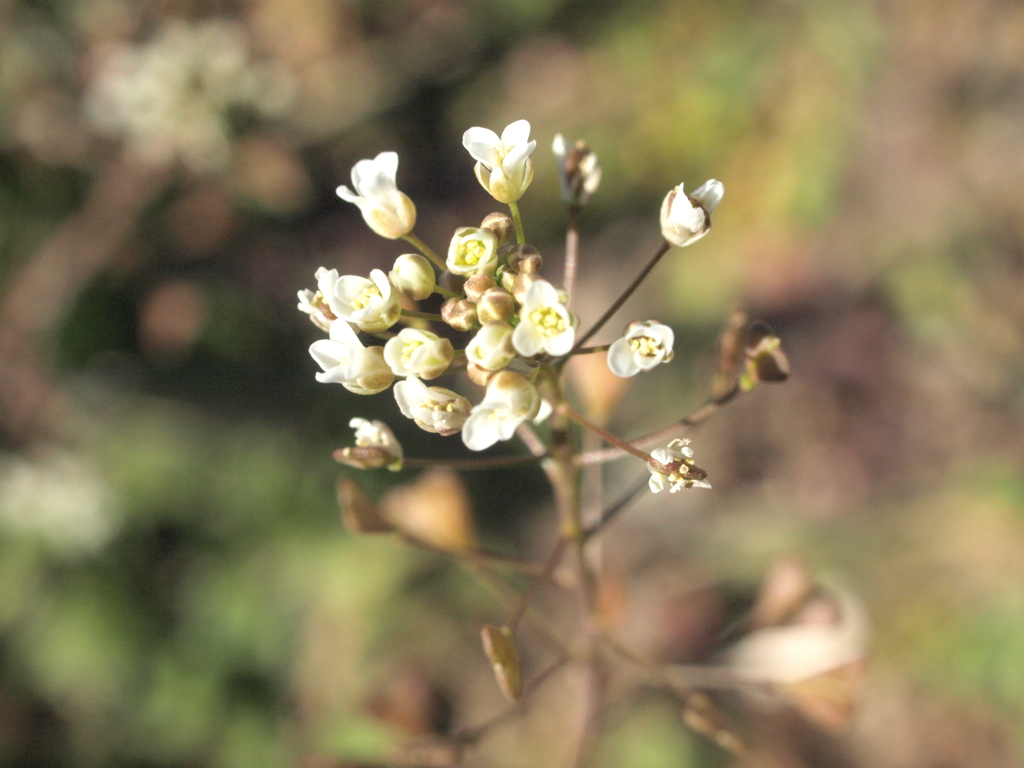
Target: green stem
422	315
446	293
520	236
426	251
590	350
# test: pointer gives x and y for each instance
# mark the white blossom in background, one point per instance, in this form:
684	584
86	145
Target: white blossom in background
473	252
510	400
58	497
370	304
346	361
643	346
418	353
434	409
378	435
545	325
679	457
491	348
413	276
685	220
578	171
503	165
387	211
315	304
169	97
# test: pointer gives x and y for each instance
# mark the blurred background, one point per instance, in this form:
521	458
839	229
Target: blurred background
176	587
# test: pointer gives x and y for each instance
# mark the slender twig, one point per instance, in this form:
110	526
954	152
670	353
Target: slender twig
694	419
426	251
572	243
478	556
545	575
662	250
446	293
604	434
590	350
474	734
411	313
486	462
520	235
616	507
530	439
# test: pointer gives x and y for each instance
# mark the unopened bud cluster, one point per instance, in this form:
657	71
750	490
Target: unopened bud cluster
498	319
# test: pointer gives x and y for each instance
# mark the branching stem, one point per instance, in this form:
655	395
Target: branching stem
665	246
426	250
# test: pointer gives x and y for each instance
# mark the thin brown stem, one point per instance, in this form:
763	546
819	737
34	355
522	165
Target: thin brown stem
694	419
662	250
474	734
590	350
530	439
612	511
480	556
605	435
543	577
488	462
572	243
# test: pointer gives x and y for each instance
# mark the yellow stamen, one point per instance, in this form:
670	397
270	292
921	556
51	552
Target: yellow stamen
548	321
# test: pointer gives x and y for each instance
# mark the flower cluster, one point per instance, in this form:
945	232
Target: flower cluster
495	316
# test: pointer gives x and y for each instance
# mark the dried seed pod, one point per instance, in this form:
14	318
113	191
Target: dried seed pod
358	513
499	645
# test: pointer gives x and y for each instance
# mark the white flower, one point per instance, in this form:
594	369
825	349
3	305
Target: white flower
677	468
376	446
503	165
545	325
491	348
473	252
434	409
418	353
315	304
510	400
347	362
413	276
386	210
685	220
370	304
642	347
578	169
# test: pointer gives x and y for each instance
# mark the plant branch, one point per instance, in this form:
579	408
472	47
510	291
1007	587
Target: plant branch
616	507
411	313
605	435
520	235
426	251
590	350
572	244
662	250
544	576
695	419
485	462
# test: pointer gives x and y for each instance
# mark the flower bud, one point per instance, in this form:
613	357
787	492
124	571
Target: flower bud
525	259
491	348
386	210
477	285
521	284
413	276
450	282
685	220
375	447
479	376
495	305
460	314
579	171
501	224
508	279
